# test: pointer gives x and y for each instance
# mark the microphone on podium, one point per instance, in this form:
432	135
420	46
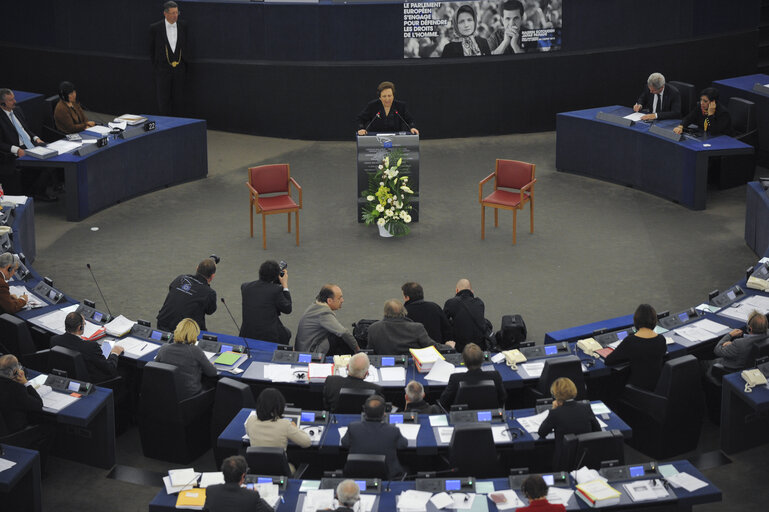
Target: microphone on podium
377	116
408	128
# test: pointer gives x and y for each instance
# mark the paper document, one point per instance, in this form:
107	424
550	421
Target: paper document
17	200
318	499
98	130
643	490
500	433
33	301
393	374
309	485
444	434
182	476
409	430
533	370
585	474
635	116
119	326
532	423
711	326
54	320
41	152
342	431
510	497
136	348
91	329
484	487
373	375
268	492
227	358
53	401
441	371
667	470
279	373
600	408
64	146
6	464
558	495
212	478
442	500
413	500
173	489
686	481
694	334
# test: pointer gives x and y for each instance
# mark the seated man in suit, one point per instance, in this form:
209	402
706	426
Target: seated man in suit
415	400
9	303
396	334
659	100
356	372
711	119
19	402
231	496
466	313
320	331
347	495
473	358
426	313
99	368
734	349
374	437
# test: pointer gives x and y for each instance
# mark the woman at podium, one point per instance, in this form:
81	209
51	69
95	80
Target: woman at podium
386	114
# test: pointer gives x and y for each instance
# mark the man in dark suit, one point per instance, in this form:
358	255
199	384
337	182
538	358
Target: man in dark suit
263	302
356	372
230	496
99	368
426	313
396	334
473	358
15	137
659	100
466	313
169	53
374	437
415	400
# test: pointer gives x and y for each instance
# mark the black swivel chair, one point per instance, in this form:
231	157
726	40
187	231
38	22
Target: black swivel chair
667	421
16	339
688	96
362	465
557	367
351	400
271	460
478	395
172	429
231	396
472	451
50	132
736	170
591	450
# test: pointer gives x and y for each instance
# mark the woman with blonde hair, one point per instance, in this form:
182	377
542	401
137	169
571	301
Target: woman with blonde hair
189	358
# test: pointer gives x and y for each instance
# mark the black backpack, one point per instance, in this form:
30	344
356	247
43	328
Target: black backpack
511	333
360	331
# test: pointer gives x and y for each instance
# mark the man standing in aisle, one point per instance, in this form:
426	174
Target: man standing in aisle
169	55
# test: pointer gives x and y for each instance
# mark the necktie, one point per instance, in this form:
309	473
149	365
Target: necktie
658	103
22	132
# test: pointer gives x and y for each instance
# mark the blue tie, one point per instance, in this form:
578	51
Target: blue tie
22	132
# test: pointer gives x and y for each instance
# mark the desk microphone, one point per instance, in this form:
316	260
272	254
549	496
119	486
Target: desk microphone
99	288
245	344
377	116
408	128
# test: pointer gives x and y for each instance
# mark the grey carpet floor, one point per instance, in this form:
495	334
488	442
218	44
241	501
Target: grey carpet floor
598	250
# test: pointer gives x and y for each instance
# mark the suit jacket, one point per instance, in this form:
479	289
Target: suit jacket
10	137
423	407
397	336
472	376
17	401
7	303
671	102
736	355
432	317
335	382
159	45
391	122
570	418
99	368
262	305
231	497
466	313
376	438
69	120
719	123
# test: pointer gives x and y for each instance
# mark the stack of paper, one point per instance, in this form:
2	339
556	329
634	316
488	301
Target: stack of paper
559	495
440	372
269	492
531	424
98	130
409	430
33	301
413	501
500	433
53	401
54	320
64	146
136	348
318	499
533	370
92	332
41	152
318	372
212	478
119	326
393	374
279	373
686	481
643	490
131	119
180	480
506	500
597	493
425	357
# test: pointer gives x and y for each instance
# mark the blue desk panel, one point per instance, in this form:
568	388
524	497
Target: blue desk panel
20	484
744	416
633	156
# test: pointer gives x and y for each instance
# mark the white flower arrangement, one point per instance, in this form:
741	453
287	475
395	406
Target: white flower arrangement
387	198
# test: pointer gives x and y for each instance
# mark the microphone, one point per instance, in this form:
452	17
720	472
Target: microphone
377	116
408	128
236	325
99	288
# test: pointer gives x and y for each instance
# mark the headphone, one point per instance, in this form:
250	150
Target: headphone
65	89
10	372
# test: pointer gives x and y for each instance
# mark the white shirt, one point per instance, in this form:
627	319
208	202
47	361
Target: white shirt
171	33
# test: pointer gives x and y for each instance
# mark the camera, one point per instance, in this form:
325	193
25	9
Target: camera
216	258
283	265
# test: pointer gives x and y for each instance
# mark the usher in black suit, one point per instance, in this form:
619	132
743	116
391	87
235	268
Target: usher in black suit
671	102
169	79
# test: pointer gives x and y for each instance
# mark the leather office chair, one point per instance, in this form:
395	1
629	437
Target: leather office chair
667	421
271	460
513	188
361	465
351	400
479	395
736	170
71	362
50	133
171	429
231	396
590	450
17	340
556	367
472	451
270	193
743	114
688	96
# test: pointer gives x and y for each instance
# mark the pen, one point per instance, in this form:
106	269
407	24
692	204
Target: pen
145	346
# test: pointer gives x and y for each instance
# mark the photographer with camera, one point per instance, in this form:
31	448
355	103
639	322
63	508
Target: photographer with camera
190	296
263	302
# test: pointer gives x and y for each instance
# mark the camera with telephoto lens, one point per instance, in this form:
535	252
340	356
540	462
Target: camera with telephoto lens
216	258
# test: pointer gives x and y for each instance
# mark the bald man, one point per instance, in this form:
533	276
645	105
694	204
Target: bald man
395	334
466	314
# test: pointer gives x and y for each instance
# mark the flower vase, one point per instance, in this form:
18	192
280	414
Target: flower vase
383	232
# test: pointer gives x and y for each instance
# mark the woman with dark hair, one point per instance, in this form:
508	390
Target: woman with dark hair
269	428
68	114
386	114
644	350
468	45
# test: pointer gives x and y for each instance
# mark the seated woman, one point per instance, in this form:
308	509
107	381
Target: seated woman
535	490
467	44
566	416
190	359
269	428
68	114
644	350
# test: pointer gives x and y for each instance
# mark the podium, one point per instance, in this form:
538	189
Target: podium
371	151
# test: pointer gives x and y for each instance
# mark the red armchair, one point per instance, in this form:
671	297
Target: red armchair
513	188
270	192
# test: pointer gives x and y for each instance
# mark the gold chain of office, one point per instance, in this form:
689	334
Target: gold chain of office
174	63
